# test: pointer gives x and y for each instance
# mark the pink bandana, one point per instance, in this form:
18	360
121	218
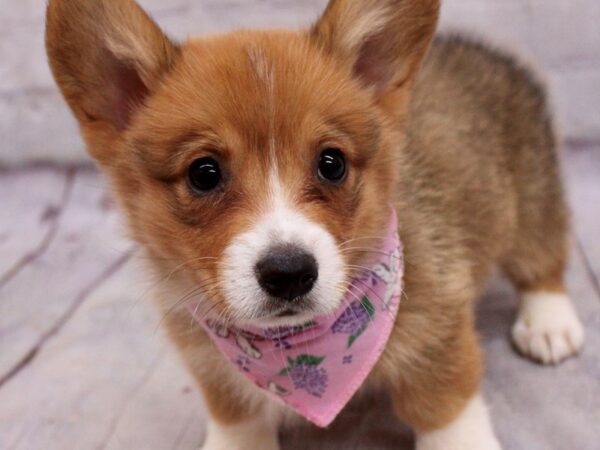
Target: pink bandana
317	367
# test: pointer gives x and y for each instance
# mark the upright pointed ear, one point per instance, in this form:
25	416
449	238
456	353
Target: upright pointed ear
107	56
383	41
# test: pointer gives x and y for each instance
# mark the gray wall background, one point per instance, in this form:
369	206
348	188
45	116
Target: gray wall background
562	37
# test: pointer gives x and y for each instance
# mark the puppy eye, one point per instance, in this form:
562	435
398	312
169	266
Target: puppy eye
332	165
204	175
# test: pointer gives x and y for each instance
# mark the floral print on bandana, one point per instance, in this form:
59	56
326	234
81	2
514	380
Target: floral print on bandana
307	375
355	319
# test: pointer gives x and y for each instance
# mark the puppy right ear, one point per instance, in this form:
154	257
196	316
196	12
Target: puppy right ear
384	41
107	56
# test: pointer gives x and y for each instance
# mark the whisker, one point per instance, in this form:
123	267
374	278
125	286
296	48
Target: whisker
342	244
190	295
359	267
369	250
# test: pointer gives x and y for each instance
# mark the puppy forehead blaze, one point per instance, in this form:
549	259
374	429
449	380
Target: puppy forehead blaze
266	97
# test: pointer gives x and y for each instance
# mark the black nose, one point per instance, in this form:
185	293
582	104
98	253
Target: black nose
287	272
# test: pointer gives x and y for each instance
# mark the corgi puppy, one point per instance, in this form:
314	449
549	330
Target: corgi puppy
247	162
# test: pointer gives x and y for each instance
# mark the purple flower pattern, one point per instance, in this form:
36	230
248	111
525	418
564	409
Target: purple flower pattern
354	320
307	375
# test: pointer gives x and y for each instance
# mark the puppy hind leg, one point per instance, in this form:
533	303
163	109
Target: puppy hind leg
547	328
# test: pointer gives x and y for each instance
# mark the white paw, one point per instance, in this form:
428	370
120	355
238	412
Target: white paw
471	430
547	329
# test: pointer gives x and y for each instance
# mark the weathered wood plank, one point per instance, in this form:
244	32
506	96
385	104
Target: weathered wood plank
106	381
582	169
86	244
32	204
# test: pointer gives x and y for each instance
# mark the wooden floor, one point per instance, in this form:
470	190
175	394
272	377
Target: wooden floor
83	363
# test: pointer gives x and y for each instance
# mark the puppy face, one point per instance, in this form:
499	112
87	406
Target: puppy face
249	163
270	114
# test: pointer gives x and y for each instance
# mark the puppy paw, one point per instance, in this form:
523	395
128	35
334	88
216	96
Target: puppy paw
547	329
471	430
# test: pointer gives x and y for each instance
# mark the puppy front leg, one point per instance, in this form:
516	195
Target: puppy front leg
437	392
471	430
240	415
249	434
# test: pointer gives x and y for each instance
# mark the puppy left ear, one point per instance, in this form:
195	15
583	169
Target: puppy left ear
107	57
383	41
